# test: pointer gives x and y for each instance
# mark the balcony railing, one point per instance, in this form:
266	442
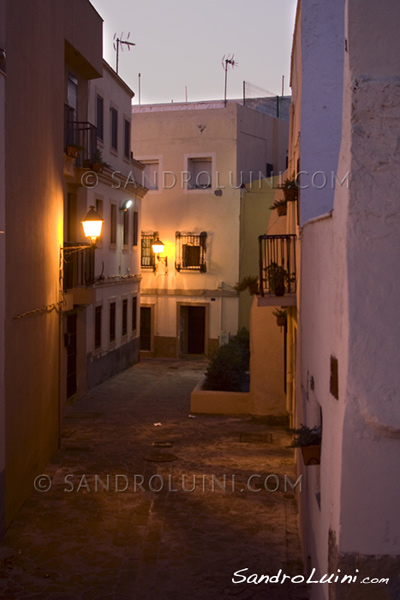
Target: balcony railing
81	135
277	264
78	266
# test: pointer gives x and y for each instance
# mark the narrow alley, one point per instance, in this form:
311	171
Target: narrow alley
125	517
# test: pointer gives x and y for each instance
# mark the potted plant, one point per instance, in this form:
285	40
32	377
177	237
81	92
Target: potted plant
309	442
250	282
290	189
98	163
73	150
278	278
281	316
280	206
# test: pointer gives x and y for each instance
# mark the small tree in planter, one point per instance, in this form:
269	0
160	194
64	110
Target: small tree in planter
280	206
250	282
281	317
98	163
309	442
290	189
278	278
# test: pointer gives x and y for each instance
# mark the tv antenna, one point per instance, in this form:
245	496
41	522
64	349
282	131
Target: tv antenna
228	62
119	42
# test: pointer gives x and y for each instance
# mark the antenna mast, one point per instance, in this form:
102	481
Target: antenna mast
228	61
118	41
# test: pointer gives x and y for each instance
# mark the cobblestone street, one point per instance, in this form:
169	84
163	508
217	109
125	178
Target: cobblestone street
125	519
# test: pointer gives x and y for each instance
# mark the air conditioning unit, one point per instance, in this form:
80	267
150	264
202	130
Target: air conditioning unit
224	338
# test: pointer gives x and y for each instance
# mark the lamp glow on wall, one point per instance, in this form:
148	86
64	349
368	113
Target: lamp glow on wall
92	225
158	248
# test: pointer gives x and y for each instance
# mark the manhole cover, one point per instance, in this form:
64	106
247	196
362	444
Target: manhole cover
256	438
160	457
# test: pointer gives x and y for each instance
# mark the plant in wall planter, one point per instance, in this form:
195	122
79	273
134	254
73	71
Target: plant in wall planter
278	278
281	316
250	282
290	189
280	206
309	442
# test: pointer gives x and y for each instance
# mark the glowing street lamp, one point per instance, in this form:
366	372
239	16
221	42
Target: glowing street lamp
92	224
157	246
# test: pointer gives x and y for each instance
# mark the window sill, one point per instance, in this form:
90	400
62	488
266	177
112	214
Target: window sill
113	246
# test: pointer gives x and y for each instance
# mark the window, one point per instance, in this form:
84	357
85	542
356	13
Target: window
200	176
135	228
150	174
269	170
100	117
99	210
191	251
114	128
113	221
126	228
147	257
72	96
134	313
127	138
112	322
124	316
97	327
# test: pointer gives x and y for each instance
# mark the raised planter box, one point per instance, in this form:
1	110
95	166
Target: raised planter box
220	403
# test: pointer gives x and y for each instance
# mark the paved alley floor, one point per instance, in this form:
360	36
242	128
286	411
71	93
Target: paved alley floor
149	503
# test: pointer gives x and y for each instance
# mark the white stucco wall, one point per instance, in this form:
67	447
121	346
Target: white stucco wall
322	48
349	306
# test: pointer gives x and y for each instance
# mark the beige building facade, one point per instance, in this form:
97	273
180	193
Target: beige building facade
198	158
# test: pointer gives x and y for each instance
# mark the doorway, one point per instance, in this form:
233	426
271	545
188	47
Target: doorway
71	348
145	328
192	329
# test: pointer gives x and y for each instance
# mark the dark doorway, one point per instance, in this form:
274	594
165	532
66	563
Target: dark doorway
192	329
145	328
71	347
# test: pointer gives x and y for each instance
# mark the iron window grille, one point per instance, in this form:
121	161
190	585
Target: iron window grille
148	260
190	251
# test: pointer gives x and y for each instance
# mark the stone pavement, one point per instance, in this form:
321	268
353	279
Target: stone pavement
82	541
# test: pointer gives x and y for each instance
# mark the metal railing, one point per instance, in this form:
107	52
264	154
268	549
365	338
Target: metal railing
81	135
78	266
277	264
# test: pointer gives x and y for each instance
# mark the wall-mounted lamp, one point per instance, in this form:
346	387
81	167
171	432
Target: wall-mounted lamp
158	247
127	204
92	224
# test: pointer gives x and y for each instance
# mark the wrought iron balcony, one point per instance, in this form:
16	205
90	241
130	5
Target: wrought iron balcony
80	138
277	264
78	266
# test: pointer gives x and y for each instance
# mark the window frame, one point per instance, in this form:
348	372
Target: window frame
187	186
148	238
100	117
114	128
127	138
98	322
113	224
124	317
189	240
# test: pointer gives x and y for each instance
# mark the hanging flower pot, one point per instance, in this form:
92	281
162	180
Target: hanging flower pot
311	455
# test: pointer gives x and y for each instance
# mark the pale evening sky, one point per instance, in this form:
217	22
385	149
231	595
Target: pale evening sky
181	43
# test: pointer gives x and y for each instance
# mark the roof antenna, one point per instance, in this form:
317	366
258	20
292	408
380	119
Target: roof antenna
228	61
117	42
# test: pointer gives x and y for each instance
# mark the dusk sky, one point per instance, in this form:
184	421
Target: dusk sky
177	46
